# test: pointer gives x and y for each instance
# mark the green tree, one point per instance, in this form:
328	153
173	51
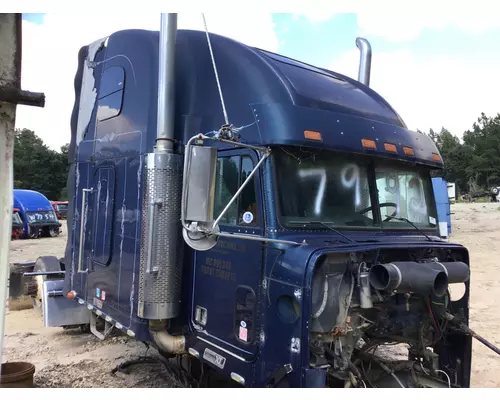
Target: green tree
483	142
36	167
474	163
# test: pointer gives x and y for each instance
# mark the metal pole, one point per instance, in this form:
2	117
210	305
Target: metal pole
7	121
7	124
166	87
10	95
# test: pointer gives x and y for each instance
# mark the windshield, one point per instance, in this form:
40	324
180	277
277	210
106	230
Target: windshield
405	193
62	207
323	186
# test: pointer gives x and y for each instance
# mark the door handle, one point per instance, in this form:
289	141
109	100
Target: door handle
83	214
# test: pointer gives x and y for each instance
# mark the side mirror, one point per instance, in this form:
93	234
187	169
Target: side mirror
200	184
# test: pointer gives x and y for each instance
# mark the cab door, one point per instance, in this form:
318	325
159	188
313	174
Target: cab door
227	277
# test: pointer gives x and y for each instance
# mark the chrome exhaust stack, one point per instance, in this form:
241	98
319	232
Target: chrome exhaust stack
160	271
365	60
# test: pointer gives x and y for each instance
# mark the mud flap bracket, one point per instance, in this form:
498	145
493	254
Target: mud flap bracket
108	327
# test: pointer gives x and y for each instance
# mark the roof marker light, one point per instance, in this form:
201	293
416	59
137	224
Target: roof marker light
408	151
313	135
391	148
369	144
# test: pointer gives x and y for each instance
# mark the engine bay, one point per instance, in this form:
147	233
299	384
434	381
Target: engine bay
387	318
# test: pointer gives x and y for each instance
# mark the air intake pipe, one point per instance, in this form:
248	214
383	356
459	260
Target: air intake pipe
457	271
365	60
409	276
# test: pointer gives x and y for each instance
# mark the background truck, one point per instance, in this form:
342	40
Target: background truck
37	214
60	208
254	217
17	224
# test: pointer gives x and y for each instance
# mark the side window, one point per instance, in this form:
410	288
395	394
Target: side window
231	173
248	197
111	93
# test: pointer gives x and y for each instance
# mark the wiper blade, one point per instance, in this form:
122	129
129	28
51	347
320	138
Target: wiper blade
412	224
305	223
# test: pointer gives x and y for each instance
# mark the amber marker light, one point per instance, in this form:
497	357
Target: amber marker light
408	151
313	135
436	157
71	295
369	144
391	148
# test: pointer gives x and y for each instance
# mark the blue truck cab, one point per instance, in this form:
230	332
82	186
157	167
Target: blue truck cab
278	247
36	213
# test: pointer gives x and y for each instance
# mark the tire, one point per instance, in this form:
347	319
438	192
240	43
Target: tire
494	190
54	232
50	231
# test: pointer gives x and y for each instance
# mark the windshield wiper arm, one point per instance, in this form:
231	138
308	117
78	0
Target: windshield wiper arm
325	225
412	224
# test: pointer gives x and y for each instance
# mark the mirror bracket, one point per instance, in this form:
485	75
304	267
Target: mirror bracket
203	236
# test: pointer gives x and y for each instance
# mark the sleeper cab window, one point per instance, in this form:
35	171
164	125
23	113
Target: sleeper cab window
231	173
111	93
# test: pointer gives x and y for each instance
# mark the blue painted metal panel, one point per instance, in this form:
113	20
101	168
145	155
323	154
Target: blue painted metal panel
104	202
440	187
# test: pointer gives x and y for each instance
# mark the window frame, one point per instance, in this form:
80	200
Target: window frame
259	218
371	162
111	92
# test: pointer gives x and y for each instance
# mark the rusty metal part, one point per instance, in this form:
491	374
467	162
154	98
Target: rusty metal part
15	95
165	341
11	57
19	284
464	328
343	329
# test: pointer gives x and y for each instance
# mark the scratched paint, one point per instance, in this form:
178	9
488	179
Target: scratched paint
76	217
132	291
122	231
88	94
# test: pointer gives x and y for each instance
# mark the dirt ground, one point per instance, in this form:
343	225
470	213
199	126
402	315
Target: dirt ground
69	358
72	359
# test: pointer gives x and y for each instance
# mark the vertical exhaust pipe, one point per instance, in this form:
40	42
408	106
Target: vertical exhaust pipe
160	273
166	84
365	60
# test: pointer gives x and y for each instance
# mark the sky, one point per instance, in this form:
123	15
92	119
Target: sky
435	70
